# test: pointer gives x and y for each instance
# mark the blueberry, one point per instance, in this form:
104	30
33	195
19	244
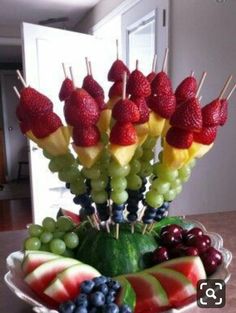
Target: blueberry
147	220
115	285
68	185
80	309
110	299
93	310
133	201
124	308
101	206
111	308
100	280
158	217
87	286
67	307
112	292
133	193
103	288
81	300
89	210
151	209
118	207
97	298
149	215
161	210
166	205
142	189
132	217
83	200
103	217
132	209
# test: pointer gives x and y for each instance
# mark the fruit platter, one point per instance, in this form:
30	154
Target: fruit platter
121	253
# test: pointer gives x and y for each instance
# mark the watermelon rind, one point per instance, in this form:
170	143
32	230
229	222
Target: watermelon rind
32	260
126	294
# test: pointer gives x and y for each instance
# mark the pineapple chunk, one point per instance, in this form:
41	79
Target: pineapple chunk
67	132
55	143
104	120
142	132
88	155
174	158
198	150
156	124
165	128
123	154
111	102
31	136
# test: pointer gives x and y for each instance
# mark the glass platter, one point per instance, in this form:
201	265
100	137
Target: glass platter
14	276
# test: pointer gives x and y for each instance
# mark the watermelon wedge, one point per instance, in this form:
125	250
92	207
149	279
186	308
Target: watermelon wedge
150	295
75	217
178	288
126	294
40	278
191	267
33	259
57	291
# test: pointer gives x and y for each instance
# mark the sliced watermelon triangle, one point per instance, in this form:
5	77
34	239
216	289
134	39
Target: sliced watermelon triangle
33	260
56	291
126	294
178	288
150	295
75	217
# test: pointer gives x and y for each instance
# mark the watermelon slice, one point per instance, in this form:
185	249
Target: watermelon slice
71	278
57	291
75	217
150	296
40	278
126	294
191	267
36	258
178	288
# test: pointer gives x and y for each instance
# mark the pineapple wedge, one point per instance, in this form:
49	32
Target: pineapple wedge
165	128
174	158
111	102
104	120
156	124
142	132
123	154
198	150
88	155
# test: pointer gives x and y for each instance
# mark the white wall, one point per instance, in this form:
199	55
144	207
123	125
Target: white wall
202	38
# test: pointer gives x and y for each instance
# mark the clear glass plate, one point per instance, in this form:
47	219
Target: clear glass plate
14	277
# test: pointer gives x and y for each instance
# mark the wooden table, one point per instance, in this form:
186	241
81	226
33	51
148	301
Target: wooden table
223	223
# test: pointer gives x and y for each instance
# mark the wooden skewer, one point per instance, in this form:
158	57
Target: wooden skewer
151	228
144	229
21	78
90	221
165	61
136	64
231	92
192	73
95	222
64	69
154	63
90	68
124	86
204	74
117	230
72	76
108	227
117	49
226	85
87	65
200	98
16	91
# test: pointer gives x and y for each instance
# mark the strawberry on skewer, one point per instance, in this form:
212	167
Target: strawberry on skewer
186	90
152	74
66	87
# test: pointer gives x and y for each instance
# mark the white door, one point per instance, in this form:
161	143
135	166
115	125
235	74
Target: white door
145	33
44	50
15	143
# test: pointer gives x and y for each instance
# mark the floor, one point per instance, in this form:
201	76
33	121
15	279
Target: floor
15	214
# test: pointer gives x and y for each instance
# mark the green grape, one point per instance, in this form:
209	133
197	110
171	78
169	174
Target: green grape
53	166
46	237
99	196
78	187
47	155
119	183
178	189
148	155
170	195
58	234
153	199
176	183
185	179
160	186
116	169
35	230
105	158
57	246
192	163
149	143
138	153
164	172
71	240
92	173
135	166
98	184
45	247
64	223
68	253
119	197
69	174
104	138
184	171
146	169
134	182
160	156
49	224
65	160
32	243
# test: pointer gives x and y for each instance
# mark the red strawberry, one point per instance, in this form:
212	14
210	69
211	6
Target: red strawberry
223	112
143	109
44	125
161	84
123	134
100	102
211	113
34	103
86	136
164	105
92	87
81	109
206	136
116	90
151	76
25	126
117	70
179	138
126	111
188	116
138	85
20	113
66	89
186	90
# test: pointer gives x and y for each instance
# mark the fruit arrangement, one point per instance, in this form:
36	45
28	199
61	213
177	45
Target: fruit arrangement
121	253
